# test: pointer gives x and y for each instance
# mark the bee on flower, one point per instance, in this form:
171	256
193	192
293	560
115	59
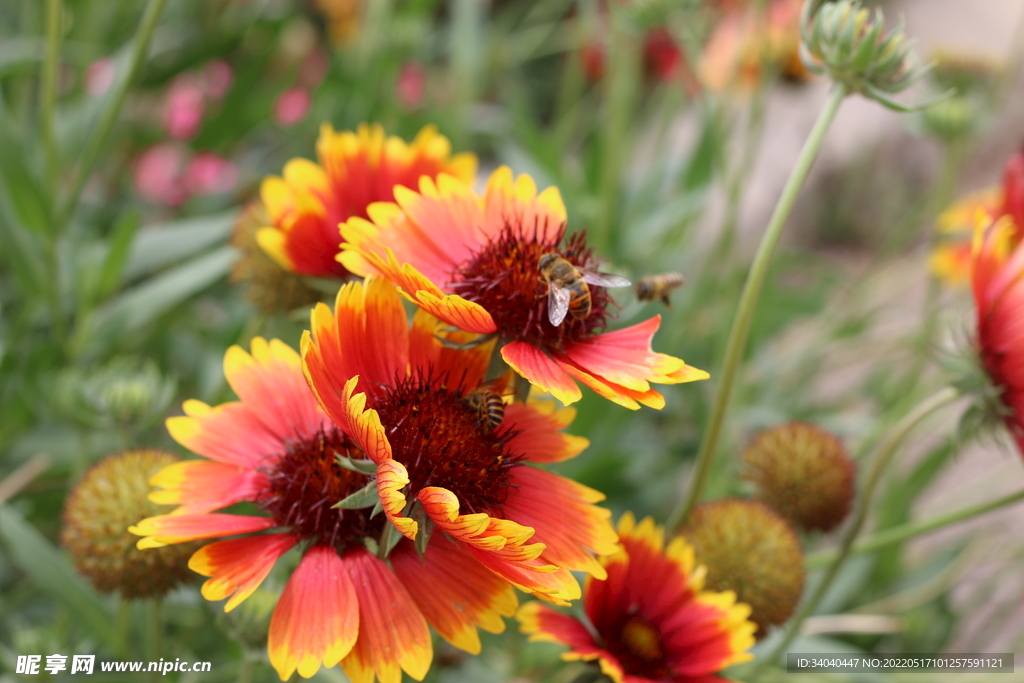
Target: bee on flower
386	424
485	264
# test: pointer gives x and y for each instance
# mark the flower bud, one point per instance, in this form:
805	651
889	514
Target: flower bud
950	119
123	393
113	495
803	473
749	549
843	40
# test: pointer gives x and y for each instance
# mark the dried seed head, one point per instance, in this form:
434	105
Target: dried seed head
112	496
749	549
803	473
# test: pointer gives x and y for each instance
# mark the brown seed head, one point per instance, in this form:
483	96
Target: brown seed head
803	473
749	549
112	496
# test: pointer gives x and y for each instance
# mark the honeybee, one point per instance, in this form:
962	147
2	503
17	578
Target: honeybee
488	406
653	287
568	290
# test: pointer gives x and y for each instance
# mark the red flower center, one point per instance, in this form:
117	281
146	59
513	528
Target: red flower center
307	480
505	278
443	441
636	643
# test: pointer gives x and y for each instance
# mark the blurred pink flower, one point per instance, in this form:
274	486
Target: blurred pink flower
183	108
411	84
292	105
99	76
313	68
158	174
209	173
217	77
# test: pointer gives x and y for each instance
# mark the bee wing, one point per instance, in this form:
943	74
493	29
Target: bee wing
604	279
558	303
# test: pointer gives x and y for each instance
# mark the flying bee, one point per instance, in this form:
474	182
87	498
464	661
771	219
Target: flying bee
653	287
488	406
568	290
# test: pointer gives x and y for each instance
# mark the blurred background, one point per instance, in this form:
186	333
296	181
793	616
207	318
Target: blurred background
669	127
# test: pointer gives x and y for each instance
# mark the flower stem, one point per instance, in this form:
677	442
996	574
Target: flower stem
48	90
886	450
910	530
108	117
748	303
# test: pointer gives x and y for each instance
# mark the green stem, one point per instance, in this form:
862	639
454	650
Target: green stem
886	450
154	628
245	667
123	624
48	90
108	117
748	303
903	532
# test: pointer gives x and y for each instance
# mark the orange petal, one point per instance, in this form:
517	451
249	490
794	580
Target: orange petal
566	520
169	529
464	367
238	566
541	371
317	617
231	433
535	430
270	382
393	635
615	393
544	624
453	591
500	545
392	477
200	486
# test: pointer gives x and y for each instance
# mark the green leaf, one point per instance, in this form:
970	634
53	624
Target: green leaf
426	528
363	498
45	566
363	466
121	238
158	246
24	191
389	538
144	303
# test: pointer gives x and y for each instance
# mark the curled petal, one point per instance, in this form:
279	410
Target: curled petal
237	567
392	477
316	620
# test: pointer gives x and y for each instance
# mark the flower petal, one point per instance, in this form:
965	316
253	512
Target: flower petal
237	567
565	518
199	486
541	371
545	625
270	382
231	433
429	357
393	635
169	529
535	429
317	617
453	591
392	477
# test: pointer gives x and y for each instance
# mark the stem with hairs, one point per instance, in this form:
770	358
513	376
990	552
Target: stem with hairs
904	532
886	450
748	303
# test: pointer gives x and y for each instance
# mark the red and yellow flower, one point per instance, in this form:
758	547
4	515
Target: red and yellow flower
277	449
650	620
401	395
358	168
472	262
951	259
997	279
